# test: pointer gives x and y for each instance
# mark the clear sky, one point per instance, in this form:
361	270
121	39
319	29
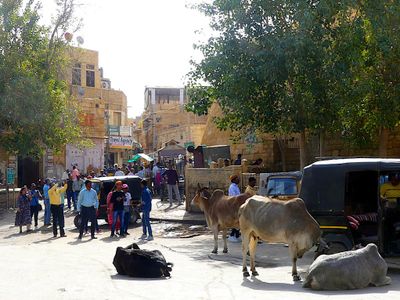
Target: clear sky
140	42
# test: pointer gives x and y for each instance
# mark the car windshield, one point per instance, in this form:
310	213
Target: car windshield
281	186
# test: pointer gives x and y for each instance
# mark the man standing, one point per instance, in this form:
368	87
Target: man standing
234	191
172	184
251	187
127	207
146	208
119	172
88	204
238	160
46	188
56	207
117	199
35	195
75	173
70	193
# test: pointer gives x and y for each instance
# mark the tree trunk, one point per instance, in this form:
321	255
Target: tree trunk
282	150
321	144
302	145
383	142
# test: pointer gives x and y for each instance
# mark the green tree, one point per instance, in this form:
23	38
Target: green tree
269	67
371	47
35	108
307	67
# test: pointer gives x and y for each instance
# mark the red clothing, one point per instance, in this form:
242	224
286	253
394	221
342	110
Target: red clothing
110	212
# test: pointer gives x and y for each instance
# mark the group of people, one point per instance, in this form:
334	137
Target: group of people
83	198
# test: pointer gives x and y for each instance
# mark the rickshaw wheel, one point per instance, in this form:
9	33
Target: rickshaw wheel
78	221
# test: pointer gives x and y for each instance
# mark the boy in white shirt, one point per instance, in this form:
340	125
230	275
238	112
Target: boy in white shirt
127	211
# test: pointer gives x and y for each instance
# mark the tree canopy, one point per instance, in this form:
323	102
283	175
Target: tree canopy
35	108
291	66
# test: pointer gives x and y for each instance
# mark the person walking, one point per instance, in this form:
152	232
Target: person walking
88	204
119	172
56	207
146	208
70	194
127	209
234	191
34	203
172	184
77	186
23	216
117	200
47	212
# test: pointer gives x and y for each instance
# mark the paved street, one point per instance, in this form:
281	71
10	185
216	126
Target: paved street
37	266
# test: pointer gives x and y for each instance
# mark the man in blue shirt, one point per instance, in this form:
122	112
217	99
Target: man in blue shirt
88	204
234	190
146	208
46	201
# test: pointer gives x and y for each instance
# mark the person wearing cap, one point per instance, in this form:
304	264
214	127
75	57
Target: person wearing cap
88	203
146	208
46	201
117	199
127	206
56	207
234	190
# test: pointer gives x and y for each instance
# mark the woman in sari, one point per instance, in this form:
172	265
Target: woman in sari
23	216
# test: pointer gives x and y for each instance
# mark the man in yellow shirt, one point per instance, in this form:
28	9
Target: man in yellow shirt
390	195
56	208
251	187
390	191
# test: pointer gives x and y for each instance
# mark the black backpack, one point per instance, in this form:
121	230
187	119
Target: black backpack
136	262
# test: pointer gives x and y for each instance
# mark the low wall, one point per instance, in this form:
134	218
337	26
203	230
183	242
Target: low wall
217	178
7	201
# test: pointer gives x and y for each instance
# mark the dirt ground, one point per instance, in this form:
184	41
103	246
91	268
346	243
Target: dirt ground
37	266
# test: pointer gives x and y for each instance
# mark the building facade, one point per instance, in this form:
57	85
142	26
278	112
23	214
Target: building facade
102	117
165	119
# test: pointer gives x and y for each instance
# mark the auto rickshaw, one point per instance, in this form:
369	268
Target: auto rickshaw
103	185
343	195
280	185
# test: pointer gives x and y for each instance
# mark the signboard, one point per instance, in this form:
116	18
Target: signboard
10	176
113	130
119	142
125	131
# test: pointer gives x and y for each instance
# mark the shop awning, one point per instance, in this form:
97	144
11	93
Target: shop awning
139	156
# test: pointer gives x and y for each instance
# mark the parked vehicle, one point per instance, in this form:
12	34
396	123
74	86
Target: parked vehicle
281	185
103	185
343	195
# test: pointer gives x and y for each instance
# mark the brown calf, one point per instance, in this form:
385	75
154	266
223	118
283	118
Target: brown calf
221	212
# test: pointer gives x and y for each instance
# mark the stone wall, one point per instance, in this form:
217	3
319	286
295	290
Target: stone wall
217	178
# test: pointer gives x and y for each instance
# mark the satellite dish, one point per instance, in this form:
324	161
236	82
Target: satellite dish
80	40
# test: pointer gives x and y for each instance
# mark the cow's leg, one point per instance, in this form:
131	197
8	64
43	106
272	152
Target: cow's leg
224	233
215	231
293	254
245	248
252	248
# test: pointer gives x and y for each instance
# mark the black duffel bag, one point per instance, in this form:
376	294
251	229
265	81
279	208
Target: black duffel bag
136	262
